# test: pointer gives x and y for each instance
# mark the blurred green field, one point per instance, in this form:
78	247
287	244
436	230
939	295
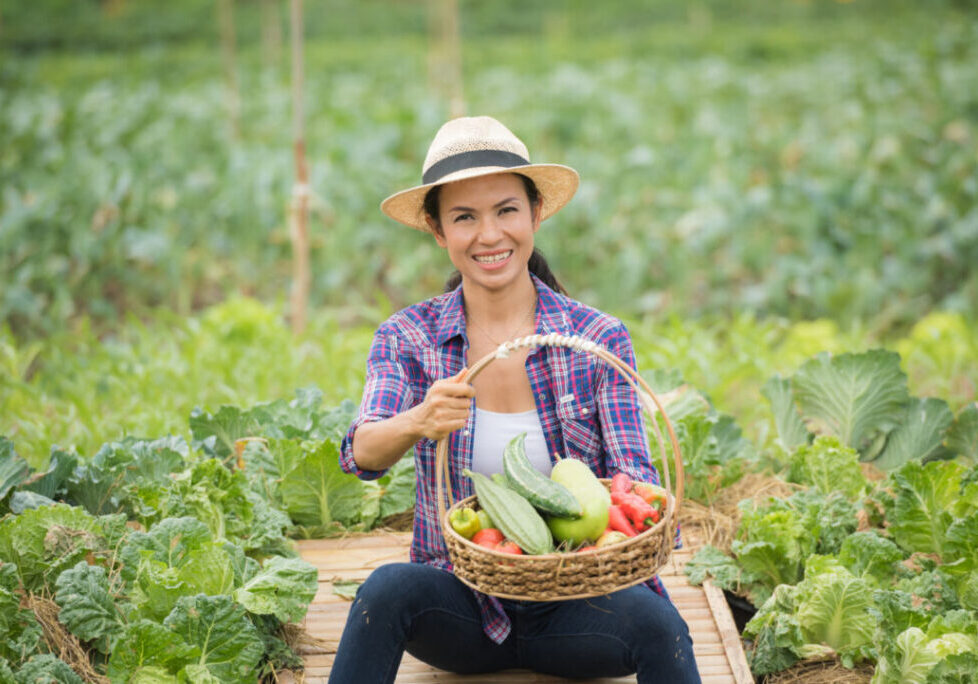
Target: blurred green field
81	390
800	159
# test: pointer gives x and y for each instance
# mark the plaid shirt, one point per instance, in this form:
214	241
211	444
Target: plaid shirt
586	409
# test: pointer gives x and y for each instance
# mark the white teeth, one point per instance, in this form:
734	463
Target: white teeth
495	258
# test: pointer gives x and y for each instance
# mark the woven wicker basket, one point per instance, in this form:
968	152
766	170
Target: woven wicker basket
563	576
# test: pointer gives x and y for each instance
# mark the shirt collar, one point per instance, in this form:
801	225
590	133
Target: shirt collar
551	313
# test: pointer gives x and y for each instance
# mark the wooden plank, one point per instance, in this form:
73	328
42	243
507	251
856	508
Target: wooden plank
716	643
728	634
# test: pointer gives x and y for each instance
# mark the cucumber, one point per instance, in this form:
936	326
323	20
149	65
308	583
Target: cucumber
545	494
514	516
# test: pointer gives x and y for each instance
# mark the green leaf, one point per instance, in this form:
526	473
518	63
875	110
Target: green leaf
149	647
47	669
777	640
398	488
52	482
836	609
921	513
21	501
709	561
13	469
45	541
855	397
88	608
316	491
918	435
346	589
284	588
791	429
215	495
870	556
216	433
962	436
20	633
168	542
152	674
229	645
102	485
909	662
828	466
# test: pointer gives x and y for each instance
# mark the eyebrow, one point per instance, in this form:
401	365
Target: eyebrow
495	206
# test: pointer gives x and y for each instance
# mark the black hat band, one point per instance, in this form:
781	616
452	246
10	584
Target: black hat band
471	160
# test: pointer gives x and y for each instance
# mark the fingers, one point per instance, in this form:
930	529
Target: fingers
446	406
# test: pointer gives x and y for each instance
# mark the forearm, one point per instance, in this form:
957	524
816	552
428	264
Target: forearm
379	445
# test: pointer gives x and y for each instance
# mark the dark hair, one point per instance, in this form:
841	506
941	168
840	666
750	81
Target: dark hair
538	264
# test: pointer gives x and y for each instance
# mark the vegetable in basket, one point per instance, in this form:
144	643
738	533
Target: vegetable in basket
465	521
592	495
514	515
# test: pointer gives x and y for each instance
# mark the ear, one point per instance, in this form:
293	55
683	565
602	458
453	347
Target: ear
537	213
433	227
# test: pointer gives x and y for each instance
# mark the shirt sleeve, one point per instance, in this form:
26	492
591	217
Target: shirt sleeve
623	419
386	392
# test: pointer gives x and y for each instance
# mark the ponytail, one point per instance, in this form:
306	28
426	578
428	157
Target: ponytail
538	264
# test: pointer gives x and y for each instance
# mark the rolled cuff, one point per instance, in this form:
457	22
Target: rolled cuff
347	462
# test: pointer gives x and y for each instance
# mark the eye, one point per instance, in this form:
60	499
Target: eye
462	217
506	210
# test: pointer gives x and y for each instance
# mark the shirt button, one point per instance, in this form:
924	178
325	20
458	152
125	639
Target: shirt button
583	411
465	432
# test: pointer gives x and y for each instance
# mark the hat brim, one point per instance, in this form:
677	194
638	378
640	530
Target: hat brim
557	184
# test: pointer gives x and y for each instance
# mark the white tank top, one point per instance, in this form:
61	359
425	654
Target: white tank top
493	431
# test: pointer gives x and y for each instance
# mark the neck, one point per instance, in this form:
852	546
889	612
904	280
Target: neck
499	311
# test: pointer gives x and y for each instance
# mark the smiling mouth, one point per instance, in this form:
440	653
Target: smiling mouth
493	258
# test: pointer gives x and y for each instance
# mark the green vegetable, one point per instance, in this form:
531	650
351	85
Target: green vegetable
514	516
593	497
485	522
545	494
465	521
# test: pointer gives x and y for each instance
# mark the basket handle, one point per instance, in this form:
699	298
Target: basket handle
649	401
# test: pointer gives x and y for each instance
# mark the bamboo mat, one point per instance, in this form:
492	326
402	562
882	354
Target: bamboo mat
716	642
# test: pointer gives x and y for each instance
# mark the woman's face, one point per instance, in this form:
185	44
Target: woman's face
487	227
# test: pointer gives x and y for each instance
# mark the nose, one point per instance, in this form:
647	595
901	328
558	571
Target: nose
490	230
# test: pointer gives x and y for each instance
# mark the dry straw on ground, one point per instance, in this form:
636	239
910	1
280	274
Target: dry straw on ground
716	524
826	670
61	642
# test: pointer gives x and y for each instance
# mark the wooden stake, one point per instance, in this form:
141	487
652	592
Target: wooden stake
299	209
271	36
445	54
225	23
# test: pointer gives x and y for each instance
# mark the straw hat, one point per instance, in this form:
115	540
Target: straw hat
479	146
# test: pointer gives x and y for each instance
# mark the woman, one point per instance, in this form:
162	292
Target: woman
483	201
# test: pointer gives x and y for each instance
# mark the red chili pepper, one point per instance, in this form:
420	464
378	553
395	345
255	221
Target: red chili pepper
641	515
653	494
618	521
621	482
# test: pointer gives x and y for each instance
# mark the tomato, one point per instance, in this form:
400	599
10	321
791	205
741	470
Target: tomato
488	537
509	546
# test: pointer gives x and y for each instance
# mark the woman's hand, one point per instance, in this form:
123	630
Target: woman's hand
445	408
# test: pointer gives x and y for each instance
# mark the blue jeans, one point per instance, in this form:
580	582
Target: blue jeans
434	617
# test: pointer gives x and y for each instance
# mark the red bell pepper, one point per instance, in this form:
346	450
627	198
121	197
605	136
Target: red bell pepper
621	482
618	521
